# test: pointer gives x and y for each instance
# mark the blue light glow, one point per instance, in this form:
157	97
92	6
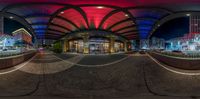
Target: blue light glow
38	19
145	22
39	31
39	26
144	27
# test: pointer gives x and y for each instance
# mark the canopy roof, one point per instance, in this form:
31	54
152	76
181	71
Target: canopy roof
133	19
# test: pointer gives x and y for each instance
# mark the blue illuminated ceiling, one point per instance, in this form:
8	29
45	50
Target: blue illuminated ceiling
146	18
51	19
56	18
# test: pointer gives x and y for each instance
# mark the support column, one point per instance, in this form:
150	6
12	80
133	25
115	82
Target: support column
85	43
65	45
137	44
111	45
1	24
2	27
125	46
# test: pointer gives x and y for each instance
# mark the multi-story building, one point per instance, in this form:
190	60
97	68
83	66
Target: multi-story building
6	41
23	36
190	41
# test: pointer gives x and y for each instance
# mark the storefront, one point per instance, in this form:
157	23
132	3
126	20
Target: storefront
76	46
119	46
98	46
95	46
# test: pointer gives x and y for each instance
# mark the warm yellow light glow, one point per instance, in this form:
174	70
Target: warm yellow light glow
100	7
62	12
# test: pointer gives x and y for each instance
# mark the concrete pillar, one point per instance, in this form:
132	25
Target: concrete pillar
65	45
111	45
85	43
1	24
125	46
137	44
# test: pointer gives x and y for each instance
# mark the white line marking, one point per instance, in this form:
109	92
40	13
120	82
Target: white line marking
15	68
176	70
93	65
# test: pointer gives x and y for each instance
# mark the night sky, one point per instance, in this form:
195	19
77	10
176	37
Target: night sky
11	25
173	28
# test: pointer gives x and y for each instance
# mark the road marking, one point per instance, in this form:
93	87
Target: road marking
44	59
94	65
176	70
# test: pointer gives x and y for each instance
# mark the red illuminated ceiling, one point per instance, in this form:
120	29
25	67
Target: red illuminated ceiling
106	18
121	3
129	18
95	14
74	16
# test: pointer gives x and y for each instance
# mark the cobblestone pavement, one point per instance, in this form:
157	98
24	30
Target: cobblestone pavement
52	76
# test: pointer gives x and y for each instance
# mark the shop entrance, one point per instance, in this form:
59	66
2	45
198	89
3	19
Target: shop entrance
99	46
76	46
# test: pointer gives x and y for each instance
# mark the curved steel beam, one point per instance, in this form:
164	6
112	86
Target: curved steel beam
103	5
39	23
39	29
139	18
9	7
37	15
90	30
52	25
61	32
69	21
19	19
150	7
128	31
124	28
12	6
170	17
49	34
124	10
113	12
127	34
72	7
59	26
146	18
129	19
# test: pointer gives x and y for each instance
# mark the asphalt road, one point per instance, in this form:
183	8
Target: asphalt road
54	76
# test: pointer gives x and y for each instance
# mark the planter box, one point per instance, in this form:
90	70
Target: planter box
177	62
11	61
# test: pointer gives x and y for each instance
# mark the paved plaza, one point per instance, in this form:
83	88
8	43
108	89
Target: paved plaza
117	76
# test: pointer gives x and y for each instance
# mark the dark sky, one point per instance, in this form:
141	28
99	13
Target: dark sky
11	25
173	28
